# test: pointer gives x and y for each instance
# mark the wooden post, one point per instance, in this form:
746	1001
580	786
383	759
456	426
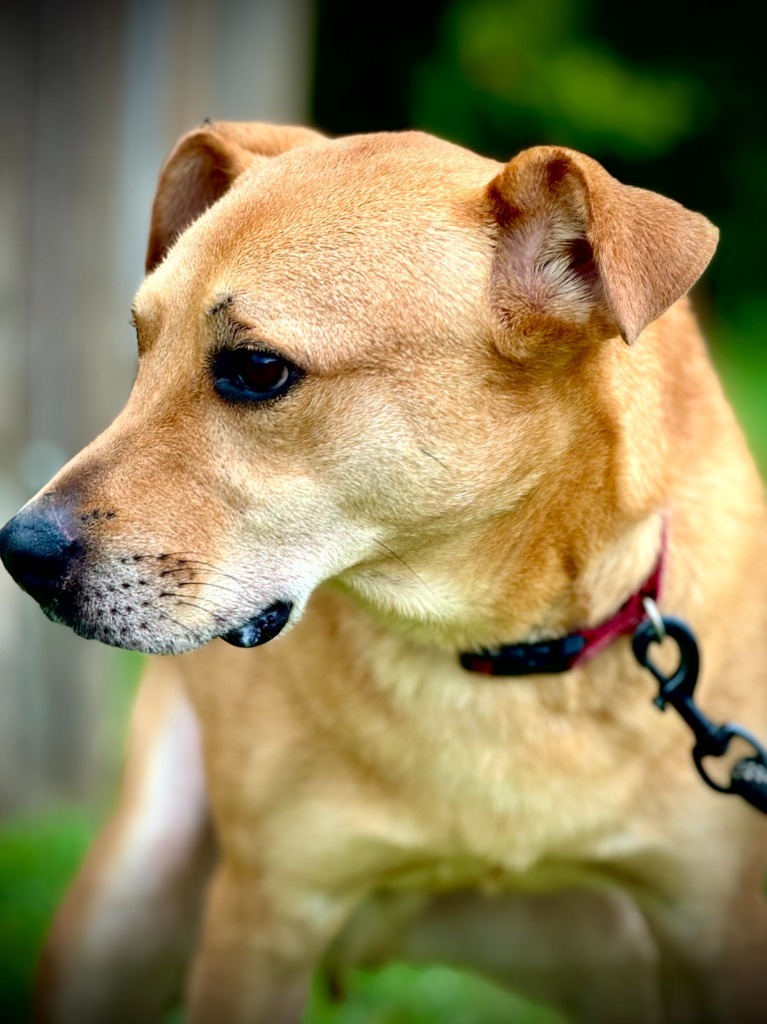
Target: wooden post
100	93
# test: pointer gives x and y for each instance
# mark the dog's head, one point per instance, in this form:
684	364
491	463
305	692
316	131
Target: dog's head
382	361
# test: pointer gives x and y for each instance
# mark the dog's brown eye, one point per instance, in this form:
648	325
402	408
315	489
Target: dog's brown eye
252	375
262	374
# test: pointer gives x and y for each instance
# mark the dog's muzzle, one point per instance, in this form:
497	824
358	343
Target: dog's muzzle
44	550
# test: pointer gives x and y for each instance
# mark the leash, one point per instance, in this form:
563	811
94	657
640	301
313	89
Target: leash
640	617
748	778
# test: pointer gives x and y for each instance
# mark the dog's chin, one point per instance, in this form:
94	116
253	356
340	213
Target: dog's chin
113	636
156	638
261	628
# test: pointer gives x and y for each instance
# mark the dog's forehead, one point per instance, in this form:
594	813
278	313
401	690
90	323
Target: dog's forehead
370	227
367	173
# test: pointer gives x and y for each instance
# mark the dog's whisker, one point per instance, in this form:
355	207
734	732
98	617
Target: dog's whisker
409	568
199	582
436	458
210	585
193	572
193	633
213	586
206	565
186	596
199	607
194	600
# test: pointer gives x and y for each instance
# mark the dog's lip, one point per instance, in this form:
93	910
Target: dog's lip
261	628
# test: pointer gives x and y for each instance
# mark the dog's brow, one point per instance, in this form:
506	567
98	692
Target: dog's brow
221	304
143	308
236	318
223	312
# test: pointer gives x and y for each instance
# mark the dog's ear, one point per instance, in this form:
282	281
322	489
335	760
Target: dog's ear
582	256
202	167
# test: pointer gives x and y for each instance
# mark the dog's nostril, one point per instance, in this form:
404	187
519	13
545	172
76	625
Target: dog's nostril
38	547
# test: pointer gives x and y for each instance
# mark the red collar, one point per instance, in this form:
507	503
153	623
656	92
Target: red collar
550	656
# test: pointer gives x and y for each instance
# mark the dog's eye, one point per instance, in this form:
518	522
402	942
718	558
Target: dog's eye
252	375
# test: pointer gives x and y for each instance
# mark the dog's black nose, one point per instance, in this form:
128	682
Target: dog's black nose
38	547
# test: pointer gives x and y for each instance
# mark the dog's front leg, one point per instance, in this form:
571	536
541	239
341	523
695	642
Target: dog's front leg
120	943
261	942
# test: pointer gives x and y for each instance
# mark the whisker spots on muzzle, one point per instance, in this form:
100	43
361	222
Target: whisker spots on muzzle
161	601
94	515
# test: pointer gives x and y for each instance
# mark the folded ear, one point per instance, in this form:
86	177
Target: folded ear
203	166
582	256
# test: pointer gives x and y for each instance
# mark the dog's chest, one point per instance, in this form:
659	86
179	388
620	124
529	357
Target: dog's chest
482	781
413	776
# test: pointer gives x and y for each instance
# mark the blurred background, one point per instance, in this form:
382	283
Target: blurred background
668	95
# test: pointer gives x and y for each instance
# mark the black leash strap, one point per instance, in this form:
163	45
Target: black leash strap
749	775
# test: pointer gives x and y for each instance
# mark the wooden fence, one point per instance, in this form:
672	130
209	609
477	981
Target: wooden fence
95	94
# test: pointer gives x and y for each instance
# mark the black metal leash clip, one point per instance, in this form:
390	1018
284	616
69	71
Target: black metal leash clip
749	775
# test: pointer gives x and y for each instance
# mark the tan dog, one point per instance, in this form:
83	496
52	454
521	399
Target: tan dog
384	399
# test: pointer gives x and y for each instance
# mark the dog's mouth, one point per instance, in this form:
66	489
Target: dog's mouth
262	628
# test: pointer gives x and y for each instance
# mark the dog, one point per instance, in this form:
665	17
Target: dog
396	404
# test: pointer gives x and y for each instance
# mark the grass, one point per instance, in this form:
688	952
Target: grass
432	995
38	856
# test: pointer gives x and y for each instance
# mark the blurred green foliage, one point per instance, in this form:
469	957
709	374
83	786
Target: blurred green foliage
740	353
38	856
40	853
431	995
530	70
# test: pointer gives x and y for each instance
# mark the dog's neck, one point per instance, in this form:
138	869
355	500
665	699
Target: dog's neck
500	598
